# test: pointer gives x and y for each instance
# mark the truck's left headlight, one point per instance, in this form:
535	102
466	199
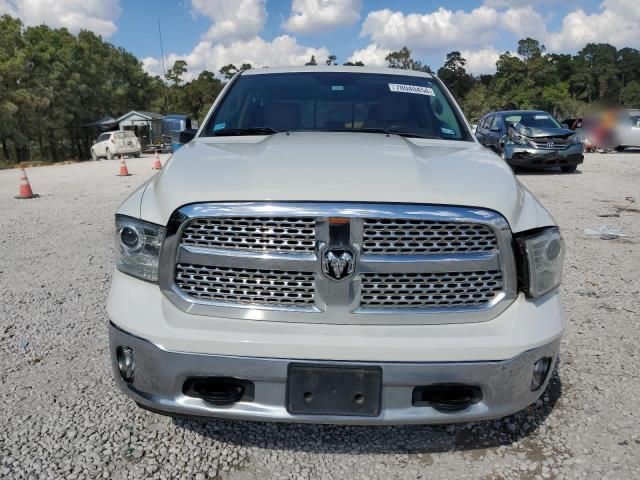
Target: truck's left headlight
138	247
541	260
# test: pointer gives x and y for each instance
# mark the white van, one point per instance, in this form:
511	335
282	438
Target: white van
112	144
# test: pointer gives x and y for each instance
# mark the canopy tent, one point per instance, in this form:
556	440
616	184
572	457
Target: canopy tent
104	124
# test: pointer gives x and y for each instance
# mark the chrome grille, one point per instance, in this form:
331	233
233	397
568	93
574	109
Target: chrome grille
543	142
245	286
383	236
427	290
279	234
413	264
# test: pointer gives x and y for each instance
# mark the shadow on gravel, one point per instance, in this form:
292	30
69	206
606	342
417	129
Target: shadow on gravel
544	171
347	439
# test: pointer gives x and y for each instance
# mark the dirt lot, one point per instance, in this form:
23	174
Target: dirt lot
62	417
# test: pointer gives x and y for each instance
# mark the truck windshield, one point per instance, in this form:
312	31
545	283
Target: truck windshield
264	104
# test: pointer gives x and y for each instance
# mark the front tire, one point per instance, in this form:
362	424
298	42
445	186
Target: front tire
620	148
569	168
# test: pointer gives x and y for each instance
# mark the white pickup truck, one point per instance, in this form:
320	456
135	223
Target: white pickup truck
334	246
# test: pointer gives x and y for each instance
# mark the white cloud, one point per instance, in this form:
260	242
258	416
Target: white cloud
152	66
232	19
7	7
618	22
99	16
481	61
372	56
432	31
520	3
281	51
523	22
308	16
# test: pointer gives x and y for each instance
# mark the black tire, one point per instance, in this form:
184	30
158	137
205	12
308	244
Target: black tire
136	155
620	148
569	168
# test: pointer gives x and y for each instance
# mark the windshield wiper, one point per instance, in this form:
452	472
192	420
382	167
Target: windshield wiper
388	131
228	132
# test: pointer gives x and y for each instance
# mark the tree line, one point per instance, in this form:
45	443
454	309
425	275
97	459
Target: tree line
562	84
52	83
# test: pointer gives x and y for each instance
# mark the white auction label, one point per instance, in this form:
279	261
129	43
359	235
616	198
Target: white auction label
397	87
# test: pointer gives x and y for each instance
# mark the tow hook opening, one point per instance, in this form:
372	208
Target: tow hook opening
124	357
447	397
219	391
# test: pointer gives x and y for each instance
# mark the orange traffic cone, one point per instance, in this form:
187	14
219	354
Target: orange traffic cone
157	165
25	187
124	172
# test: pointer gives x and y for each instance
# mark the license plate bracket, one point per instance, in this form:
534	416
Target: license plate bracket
334	390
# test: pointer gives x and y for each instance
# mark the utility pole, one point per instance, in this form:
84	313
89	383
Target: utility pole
164	70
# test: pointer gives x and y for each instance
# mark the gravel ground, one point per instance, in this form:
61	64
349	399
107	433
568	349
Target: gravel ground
62	416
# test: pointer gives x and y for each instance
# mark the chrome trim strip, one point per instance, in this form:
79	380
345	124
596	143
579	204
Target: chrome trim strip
247	259
428	263
339	303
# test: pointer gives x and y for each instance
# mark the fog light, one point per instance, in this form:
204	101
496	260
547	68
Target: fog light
540	371
124	356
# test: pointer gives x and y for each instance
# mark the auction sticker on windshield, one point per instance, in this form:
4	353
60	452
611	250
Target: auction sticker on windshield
397	87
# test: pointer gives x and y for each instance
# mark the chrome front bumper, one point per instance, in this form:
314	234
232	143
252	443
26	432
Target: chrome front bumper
159	376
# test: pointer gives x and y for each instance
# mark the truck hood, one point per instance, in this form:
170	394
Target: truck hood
337	166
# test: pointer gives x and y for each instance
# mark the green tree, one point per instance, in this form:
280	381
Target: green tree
312	61
174	74
402	59
454	75
598	73
331	60
477	102
228	71
628	66
199	95
529	48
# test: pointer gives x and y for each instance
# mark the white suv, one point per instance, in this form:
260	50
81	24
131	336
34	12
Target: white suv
335	246
112	144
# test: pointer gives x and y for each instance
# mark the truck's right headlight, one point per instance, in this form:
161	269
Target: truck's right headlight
541	260
138	247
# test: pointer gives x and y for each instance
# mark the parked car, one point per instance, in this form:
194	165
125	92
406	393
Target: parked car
531	138
627	131
333	246
112	144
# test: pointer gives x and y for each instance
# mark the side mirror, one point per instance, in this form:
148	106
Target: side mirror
187	135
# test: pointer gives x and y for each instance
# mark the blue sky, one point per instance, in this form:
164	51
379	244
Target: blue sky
181	30
211	33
